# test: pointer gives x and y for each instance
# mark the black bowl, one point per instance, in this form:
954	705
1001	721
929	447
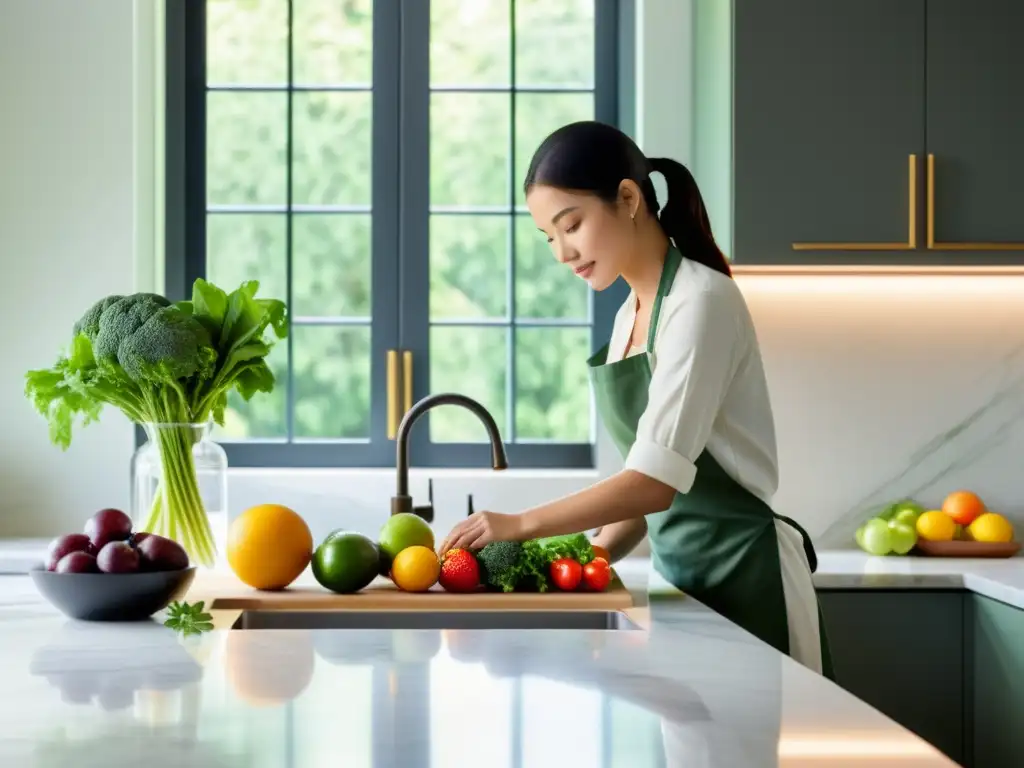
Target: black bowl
112	596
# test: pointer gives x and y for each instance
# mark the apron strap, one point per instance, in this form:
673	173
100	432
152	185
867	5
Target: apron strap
812	558
668	273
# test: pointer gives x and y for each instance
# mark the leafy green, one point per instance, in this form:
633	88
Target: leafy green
510	565
163	363
188	619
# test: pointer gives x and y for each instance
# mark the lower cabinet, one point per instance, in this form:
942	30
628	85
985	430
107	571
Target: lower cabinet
996	661
947	665
903	653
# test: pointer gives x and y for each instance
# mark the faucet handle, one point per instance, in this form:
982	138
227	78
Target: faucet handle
427	510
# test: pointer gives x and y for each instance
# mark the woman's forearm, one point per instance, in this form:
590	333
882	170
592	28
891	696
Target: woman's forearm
626	495
622	538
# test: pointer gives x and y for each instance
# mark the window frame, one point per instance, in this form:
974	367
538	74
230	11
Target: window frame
399	210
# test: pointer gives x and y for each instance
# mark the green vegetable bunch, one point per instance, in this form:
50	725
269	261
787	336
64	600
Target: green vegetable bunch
169	364
526	566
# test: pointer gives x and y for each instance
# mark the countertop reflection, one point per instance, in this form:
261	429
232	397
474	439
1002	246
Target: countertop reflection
690	689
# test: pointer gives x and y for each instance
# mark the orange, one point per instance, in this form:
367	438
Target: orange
963	506
601	552
416	569
935	525
269	545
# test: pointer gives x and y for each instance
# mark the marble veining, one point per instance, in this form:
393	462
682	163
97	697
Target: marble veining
961	442
690	689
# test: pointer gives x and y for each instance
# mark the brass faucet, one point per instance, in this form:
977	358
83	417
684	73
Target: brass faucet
402	501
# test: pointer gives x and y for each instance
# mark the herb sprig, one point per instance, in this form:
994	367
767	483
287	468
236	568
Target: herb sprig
188	619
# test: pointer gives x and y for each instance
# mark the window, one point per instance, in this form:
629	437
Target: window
363	159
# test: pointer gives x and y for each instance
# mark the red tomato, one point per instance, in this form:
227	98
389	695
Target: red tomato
566	573
596	574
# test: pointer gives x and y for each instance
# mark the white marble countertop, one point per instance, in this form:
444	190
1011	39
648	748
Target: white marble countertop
1000	579
688	689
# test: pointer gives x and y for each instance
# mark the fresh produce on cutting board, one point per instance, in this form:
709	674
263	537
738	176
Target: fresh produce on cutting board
510	566
269	546
906	526
109	545
415	569
400	532
460	571
346	561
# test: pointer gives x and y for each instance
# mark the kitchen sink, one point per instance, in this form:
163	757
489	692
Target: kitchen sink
609	620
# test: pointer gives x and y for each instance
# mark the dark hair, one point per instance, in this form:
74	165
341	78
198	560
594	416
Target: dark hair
594	157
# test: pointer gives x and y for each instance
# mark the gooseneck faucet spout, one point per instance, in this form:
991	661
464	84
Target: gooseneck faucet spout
402	501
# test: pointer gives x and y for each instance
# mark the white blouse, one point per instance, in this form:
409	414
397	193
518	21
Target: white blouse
708	387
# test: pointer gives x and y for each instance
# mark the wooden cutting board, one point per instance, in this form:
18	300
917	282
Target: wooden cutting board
222	591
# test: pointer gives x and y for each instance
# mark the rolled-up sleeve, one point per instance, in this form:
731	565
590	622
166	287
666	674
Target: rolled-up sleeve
696	353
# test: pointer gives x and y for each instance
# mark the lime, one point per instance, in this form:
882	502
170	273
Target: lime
400	532
346	561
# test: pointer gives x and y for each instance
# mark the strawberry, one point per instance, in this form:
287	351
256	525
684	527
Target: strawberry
460	571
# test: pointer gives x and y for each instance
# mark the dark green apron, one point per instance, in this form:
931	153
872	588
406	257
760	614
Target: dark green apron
718	541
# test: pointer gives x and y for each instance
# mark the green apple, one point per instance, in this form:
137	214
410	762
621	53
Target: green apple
907	516
877	537
902	510
859	536
902	537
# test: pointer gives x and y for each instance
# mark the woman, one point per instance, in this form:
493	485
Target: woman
680	388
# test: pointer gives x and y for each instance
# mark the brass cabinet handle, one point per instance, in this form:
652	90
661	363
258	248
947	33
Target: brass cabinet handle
407	376
930	224
909	245
392	385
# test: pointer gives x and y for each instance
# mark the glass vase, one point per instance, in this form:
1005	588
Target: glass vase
179	480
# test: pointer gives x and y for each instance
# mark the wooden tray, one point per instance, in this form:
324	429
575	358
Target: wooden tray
967	548
224	592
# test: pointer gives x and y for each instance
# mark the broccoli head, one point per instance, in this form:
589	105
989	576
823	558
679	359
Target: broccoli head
120	320
170	345
89	323
502	563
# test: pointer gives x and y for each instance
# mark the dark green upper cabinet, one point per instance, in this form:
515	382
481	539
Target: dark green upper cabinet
975	126
840	112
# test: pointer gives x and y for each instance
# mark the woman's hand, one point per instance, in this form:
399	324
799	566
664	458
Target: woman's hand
482	528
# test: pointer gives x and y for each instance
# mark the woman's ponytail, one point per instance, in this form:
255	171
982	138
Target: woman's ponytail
685	219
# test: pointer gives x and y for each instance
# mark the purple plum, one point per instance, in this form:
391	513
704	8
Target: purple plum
65	545
162	554
118	557
77	562
108	525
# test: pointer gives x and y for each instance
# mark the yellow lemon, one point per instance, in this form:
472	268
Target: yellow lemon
416	569
991	527
936	525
